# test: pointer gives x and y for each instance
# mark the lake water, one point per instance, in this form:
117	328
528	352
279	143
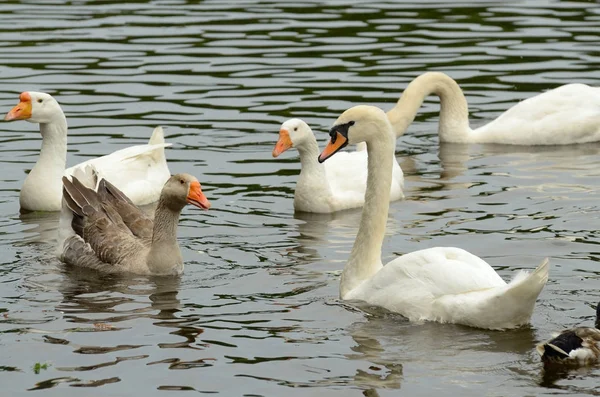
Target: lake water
256	312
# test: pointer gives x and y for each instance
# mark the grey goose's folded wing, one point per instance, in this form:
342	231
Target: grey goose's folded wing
140	224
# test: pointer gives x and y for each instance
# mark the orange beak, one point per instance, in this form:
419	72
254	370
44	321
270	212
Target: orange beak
22	111
196	198
332	148
284	142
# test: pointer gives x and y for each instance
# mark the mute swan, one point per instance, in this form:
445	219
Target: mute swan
110	234
333	186
565	115
576	346
140	171
443	284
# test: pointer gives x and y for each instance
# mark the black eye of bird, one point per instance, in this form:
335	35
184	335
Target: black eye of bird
182	181
40	100
351	123
295	128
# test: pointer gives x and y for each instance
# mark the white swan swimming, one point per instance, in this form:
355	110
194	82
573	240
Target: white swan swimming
565	115
333	186
139	171
443	284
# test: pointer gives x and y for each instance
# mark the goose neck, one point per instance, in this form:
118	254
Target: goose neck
309	152
165	256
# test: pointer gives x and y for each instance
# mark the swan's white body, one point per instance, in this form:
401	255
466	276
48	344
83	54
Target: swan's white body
332	186
569	114
443	284
139	171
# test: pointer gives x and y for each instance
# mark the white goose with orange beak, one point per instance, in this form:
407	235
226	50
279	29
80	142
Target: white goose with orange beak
139	171
336	185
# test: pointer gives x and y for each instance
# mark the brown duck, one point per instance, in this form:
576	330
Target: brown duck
111	234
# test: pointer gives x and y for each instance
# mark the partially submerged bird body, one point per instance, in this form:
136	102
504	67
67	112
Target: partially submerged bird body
140	171
578	346
569	114
111	234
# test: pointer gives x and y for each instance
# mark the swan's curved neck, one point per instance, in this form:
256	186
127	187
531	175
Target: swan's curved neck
454	111
365	258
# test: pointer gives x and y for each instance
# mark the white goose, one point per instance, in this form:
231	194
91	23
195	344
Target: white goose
565	115
139	171
333	186
443	284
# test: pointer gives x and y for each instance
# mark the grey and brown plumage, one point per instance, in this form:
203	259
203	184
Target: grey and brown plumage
575	346
111	234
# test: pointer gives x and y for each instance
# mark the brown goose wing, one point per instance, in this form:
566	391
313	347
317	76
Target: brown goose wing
111	243
99	225
135	219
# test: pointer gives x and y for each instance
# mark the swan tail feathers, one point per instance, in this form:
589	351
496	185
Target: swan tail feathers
527	286
511	305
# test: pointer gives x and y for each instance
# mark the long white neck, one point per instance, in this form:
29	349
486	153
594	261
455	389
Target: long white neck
365	258
42	189
454	111
309	153
313	192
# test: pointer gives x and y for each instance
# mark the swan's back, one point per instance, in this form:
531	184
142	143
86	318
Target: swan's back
565	115
449	284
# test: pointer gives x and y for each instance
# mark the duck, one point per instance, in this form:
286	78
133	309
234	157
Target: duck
110	234
440	284
579	346
569	114
336	185
140	171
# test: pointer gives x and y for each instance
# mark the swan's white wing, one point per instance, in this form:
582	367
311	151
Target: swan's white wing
564	115
411	283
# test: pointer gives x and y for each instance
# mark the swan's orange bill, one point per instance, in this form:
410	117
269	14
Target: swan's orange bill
196	197
22	111
284	142
332	148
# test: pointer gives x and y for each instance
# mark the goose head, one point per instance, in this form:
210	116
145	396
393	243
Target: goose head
358	124
293	133
35	107
182	189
